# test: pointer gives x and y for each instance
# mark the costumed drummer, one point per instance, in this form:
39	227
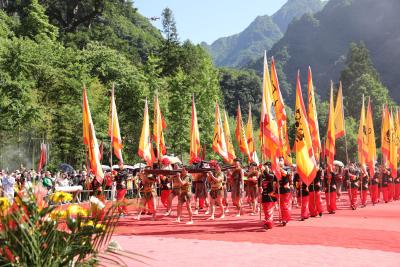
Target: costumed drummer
267	185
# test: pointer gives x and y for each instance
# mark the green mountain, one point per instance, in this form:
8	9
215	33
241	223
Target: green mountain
323	40
237	50
295	9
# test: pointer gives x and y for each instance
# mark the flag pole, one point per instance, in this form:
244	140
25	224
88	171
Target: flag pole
111	128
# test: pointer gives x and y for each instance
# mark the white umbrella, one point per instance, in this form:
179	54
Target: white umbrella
139	166
105	167
172	159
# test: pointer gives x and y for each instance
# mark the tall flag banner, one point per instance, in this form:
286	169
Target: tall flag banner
113	129
362	138
158	126
241	134
90	140
145	150
397	128
339	114
313	118
393	147
305	161
195	146
43	157
385	136
228	139
371	155
270	141
250	138
330	136
219	143
280	112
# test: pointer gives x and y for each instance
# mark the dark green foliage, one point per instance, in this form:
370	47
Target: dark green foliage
42	74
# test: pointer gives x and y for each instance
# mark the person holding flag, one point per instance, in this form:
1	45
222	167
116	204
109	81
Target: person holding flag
267	184
237	180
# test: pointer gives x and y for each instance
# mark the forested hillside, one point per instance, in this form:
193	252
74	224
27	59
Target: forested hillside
49	49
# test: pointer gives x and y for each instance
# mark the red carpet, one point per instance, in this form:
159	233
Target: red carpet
373	227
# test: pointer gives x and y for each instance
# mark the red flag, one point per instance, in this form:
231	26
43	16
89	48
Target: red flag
43	157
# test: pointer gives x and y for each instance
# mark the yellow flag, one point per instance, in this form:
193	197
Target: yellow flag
313	118
397	123
305	161
371	155
385	136
219	143
270	141
339	114
393	147
158	126
241	134
195	146
228	139
145	148
113	129
250	137
90	140
280	112
330	137
362	138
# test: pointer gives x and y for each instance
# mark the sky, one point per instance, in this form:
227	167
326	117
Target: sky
208	20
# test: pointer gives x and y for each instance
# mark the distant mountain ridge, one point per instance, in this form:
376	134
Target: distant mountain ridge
239	49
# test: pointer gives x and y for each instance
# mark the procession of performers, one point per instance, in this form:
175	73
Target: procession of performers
206	191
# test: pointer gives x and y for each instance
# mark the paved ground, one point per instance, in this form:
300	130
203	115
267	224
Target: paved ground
364	237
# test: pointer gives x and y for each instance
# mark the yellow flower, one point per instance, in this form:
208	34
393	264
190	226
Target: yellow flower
4	204
59	197
89	223
76	210
58	214
100	226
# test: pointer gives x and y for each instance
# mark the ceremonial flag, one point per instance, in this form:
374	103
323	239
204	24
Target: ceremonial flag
280	112
113	129
362	138
241	135
195	146
393	147
397	124
313	118
305	161
270	141
43	157
385	136
89	139
371	155
219	143
250	138
228	139
145	148
330	136
339	114
158	126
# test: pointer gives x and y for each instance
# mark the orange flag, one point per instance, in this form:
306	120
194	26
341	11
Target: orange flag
89	139
393	147
219	143
145	148
339	114
330	137
113	129
43	157
313	118
270	141
228	139
158	126
397	129
195	146
385	136
280	112
250	138
305	161
362	138
371	155
241	135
